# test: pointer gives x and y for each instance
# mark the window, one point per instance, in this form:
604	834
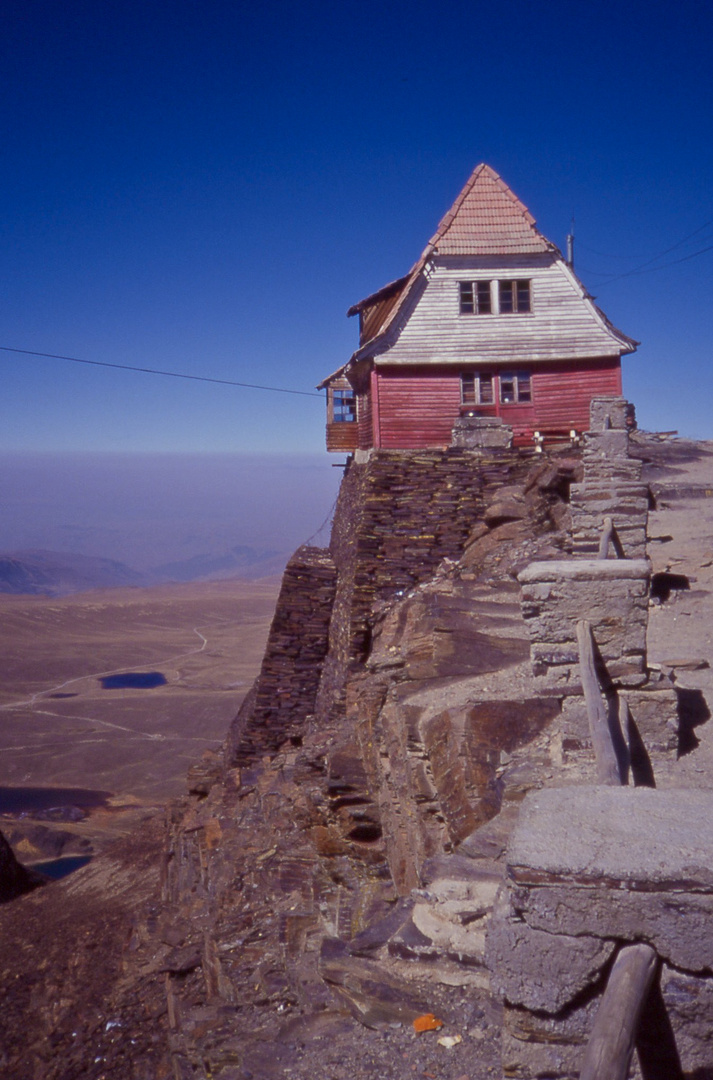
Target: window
514	297
475	298
476	389
515	387
343	406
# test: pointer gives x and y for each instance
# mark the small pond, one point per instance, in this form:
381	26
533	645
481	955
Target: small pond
59	868
55	803
133	680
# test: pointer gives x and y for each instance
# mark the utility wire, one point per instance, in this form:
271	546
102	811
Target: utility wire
667	251
653	269
156	371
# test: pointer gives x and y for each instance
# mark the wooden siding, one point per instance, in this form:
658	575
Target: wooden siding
417	407
342	438
373	317
562	323
365	420
562	395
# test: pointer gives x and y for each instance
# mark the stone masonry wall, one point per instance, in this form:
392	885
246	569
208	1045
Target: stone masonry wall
613	595
285	691
398	517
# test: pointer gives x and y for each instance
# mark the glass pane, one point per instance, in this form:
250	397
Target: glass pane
467	300
506	297
524	392
484	307
523	296
344	407
507	388
486	389
467	389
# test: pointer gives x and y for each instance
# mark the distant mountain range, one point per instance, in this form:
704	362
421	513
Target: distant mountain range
237	562
55	573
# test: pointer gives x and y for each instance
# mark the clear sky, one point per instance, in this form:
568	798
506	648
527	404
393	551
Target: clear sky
205	187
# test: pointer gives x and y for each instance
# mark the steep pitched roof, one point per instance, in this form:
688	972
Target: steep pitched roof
487	218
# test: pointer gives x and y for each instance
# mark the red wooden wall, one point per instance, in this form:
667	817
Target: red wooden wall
415	408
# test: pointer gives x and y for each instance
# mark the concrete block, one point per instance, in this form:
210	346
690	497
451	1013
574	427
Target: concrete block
540	970
608	412
605	444
481	432
637	838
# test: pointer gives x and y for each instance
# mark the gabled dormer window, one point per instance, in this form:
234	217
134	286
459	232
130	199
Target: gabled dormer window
495	297
514	297
475	298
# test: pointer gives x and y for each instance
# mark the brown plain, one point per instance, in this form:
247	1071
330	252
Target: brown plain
59	727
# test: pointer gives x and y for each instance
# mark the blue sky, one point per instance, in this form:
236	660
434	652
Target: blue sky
206	187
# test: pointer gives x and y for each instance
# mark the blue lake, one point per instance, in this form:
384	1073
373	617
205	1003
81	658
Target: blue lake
133	680
59	868
26	800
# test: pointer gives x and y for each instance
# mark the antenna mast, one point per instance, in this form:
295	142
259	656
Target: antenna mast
570	246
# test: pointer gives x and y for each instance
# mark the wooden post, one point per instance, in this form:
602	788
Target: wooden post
610	535
608	771
623	715
611	1043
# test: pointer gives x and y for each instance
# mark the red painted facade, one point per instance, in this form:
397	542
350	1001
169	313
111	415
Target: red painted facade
415	408
490	313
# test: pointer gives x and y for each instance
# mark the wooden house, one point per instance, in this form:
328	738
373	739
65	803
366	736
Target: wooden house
491	320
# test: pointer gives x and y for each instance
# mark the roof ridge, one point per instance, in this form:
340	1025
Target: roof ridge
529	238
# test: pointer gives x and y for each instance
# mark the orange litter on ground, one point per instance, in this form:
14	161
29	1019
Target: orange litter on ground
427	1022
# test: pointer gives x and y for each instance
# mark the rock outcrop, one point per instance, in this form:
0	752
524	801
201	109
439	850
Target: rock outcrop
15	879
334	875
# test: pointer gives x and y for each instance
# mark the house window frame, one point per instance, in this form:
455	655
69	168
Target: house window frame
475	297
477	388
343	405
520	296
521	382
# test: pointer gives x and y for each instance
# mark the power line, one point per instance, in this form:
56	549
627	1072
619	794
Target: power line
653	269
156	371
653	258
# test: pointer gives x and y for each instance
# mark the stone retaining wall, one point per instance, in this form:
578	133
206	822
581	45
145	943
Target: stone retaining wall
399	515
613	595
286	688
590	869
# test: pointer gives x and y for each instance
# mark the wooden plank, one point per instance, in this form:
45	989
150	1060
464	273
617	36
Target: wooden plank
610	536
611	1043
415	407
608	771
562	322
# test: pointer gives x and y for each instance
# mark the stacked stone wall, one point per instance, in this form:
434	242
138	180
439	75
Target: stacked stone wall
612	485
591	868
399	515
285	692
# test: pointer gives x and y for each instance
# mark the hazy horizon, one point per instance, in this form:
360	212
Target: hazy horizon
146	509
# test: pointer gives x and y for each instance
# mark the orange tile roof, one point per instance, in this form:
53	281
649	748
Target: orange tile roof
487	218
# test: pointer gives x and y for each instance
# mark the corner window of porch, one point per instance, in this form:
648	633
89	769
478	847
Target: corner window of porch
342	406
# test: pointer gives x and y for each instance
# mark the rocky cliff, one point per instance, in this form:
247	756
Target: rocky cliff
330	879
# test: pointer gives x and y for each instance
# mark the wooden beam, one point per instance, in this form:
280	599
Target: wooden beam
610	535
608	771
611	1044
